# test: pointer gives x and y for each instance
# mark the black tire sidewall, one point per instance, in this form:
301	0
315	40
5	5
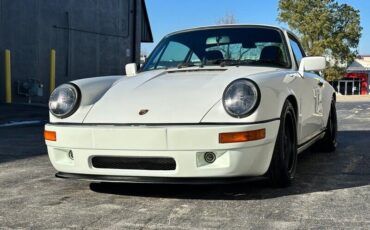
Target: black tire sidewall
279	173
329	141
334	121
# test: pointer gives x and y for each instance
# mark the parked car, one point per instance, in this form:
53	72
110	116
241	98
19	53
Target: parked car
211	104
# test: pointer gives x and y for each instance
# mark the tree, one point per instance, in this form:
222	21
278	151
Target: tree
326	28
228	18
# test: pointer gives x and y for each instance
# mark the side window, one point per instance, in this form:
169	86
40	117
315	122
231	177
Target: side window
174	54
297	51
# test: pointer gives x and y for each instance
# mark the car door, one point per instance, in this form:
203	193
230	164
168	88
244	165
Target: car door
311	108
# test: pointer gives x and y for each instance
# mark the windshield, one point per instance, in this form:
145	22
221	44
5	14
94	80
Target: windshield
220	46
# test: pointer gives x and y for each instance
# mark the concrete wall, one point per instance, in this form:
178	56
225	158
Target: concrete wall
91	38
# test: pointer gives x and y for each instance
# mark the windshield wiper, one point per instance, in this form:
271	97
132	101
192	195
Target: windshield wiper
230	62
222	62
187	64
269	63
184	65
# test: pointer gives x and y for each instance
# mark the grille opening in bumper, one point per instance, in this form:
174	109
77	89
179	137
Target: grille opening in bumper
138	163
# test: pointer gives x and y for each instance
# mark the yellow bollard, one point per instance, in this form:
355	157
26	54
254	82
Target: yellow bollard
52	70
8	78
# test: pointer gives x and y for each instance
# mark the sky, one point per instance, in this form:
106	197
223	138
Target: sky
167	16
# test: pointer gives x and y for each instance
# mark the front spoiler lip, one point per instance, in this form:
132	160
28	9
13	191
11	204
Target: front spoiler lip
157	180
163	124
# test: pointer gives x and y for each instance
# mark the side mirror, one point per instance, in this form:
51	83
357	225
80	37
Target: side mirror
131	69
312	64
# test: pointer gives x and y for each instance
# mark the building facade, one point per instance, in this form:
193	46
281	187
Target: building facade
90	38
357	79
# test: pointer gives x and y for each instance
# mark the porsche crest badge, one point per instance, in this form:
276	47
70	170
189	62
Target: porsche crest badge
143	111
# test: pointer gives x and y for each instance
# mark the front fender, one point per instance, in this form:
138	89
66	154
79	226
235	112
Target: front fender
274	92
327	96
92	89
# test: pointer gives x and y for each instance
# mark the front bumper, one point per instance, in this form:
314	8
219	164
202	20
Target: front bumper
186	144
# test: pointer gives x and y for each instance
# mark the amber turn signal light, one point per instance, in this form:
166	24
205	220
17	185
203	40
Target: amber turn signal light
242	136
50	135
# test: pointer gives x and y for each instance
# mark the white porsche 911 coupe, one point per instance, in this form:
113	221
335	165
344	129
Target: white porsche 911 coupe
210	105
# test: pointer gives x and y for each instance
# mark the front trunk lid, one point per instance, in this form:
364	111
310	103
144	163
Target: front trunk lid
163	97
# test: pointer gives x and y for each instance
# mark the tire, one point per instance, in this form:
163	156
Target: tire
329	142
283	164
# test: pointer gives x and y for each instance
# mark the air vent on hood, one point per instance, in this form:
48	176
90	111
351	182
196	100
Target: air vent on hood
195	70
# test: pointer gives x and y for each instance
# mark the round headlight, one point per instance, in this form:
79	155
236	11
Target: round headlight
64	100
241	98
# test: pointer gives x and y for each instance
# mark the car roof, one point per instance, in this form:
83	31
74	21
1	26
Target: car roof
200	28
229	26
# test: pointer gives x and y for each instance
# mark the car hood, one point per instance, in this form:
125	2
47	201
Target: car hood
166	96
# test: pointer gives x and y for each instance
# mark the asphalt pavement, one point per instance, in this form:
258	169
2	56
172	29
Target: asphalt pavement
331	190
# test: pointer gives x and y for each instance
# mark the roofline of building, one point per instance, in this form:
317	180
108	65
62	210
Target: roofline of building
358	70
